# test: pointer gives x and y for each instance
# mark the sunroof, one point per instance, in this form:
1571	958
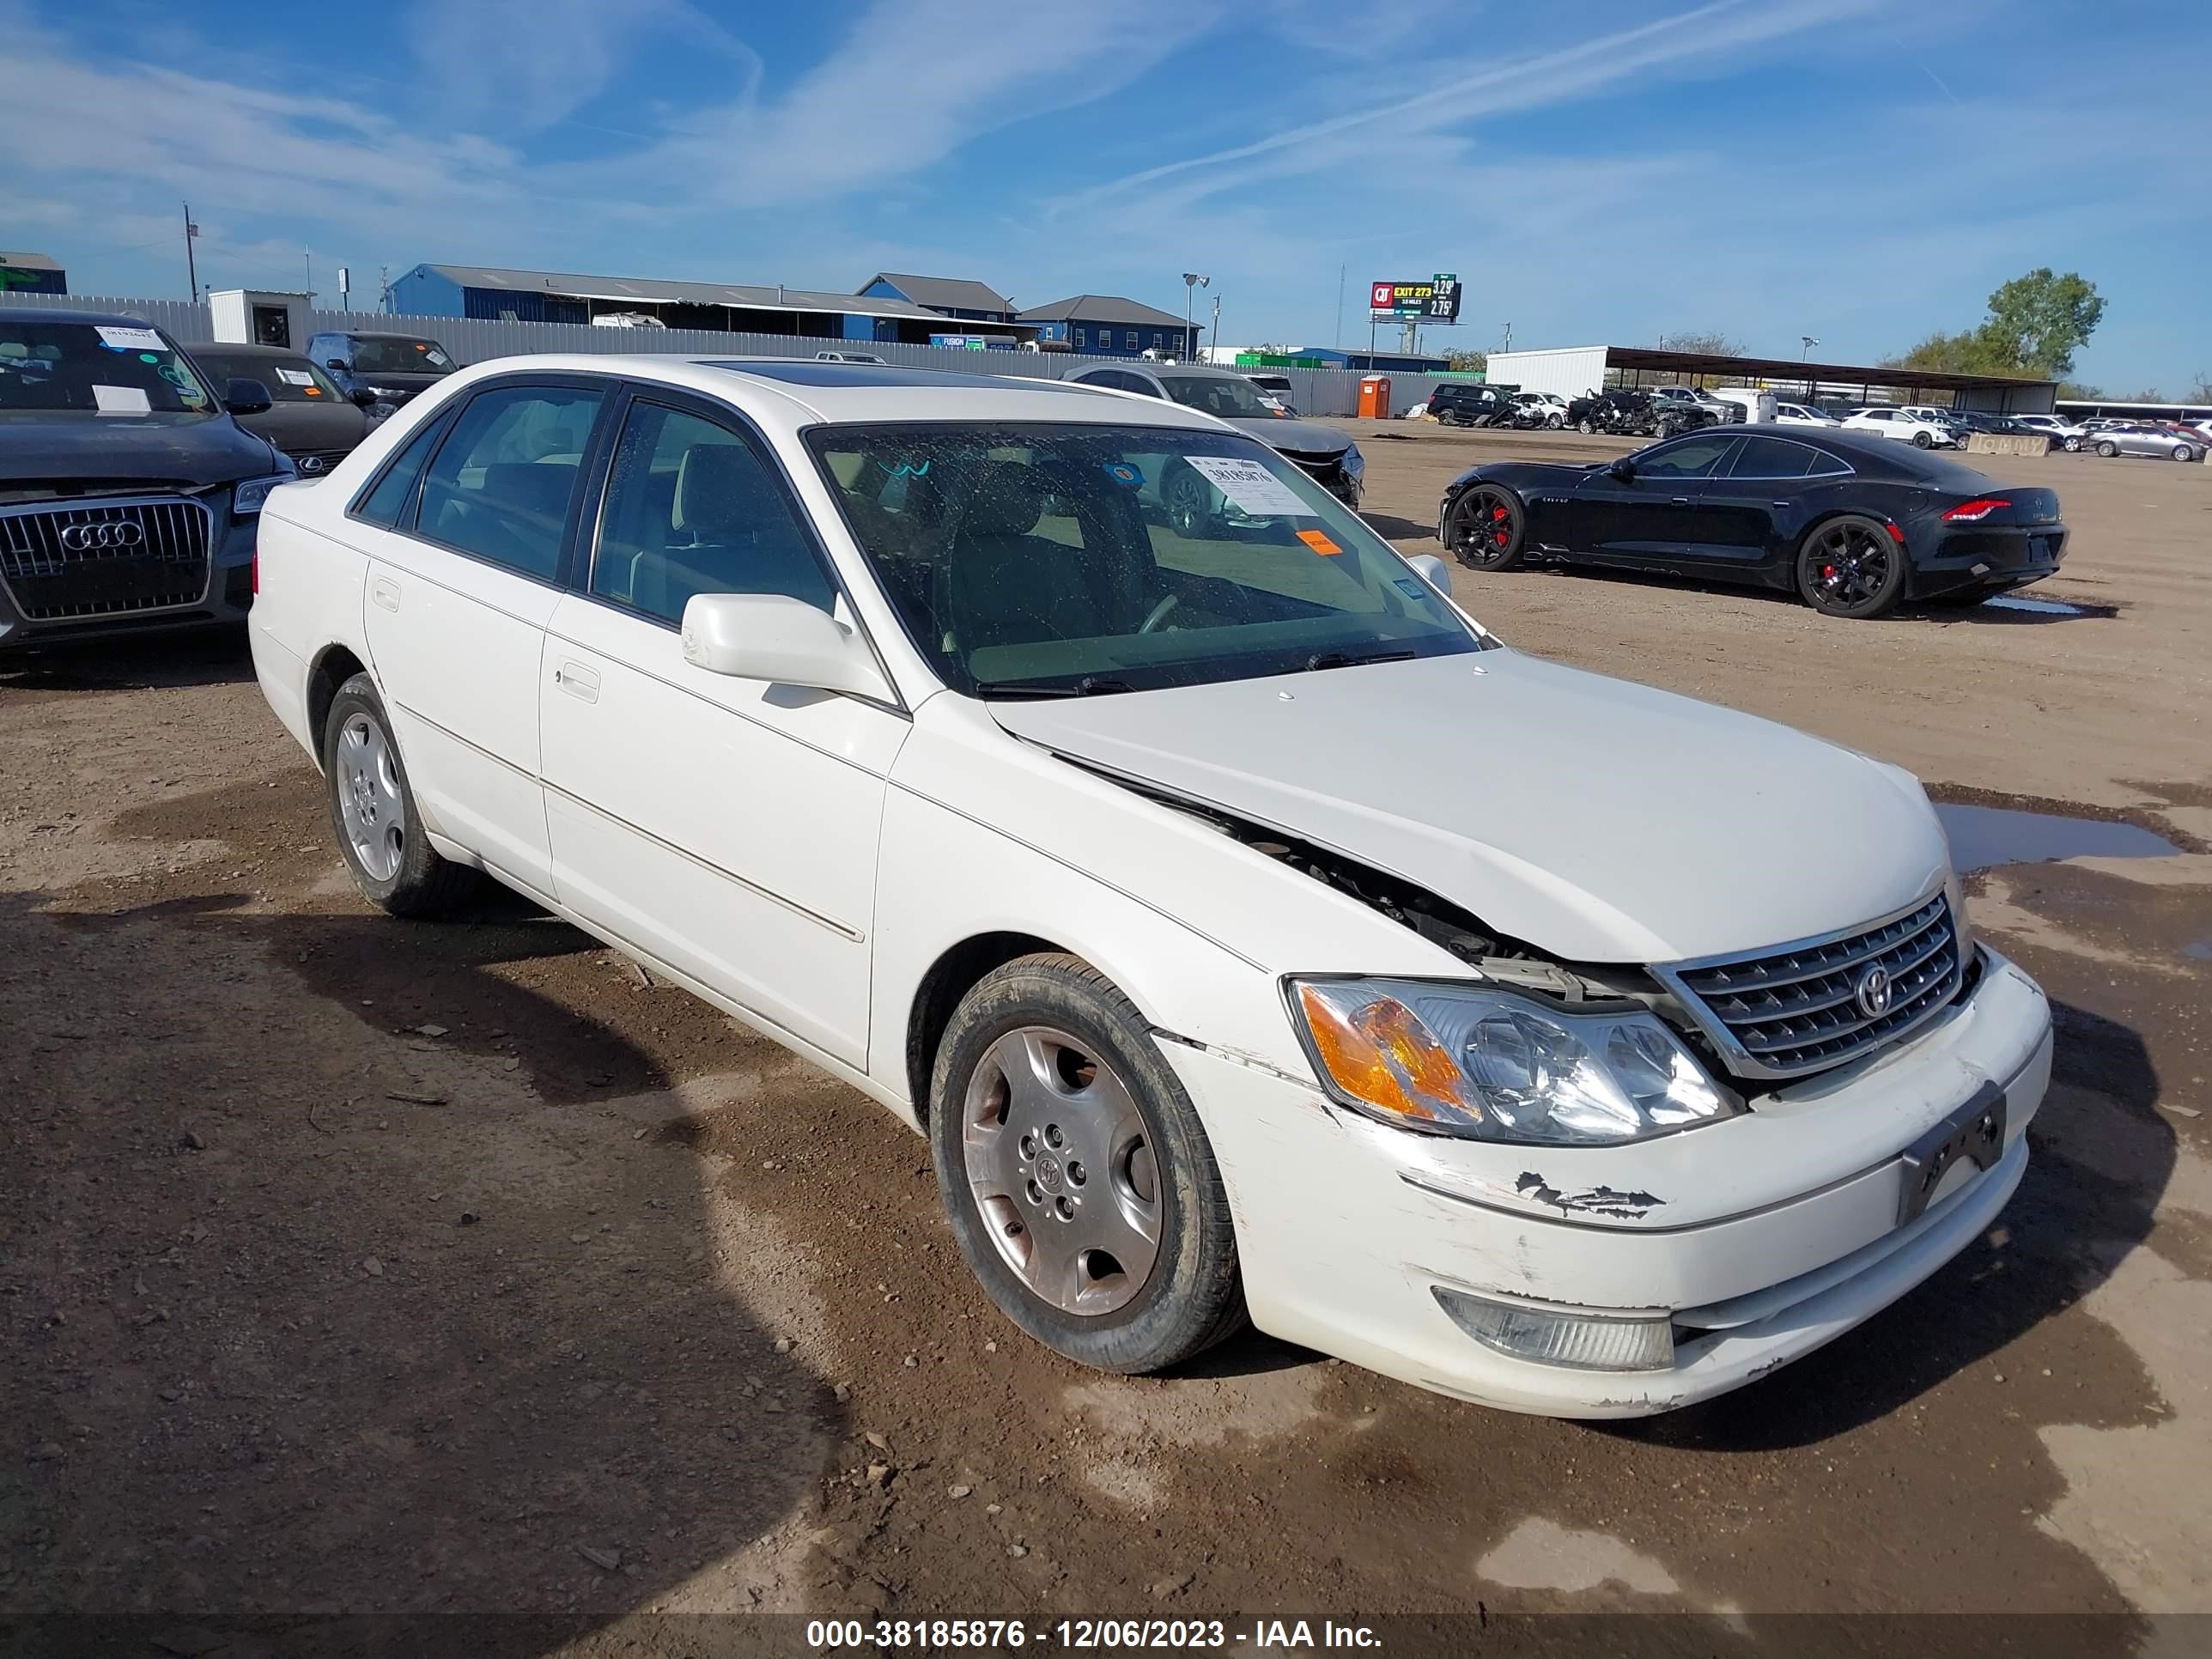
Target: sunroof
864	375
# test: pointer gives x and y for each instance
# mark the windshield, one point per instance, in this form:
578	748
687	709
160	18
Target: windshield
1231	397
96	368
289	379
401	357
1045	560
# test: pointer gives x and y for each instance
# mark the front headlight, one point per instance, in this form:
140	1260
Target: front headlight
249	495
1488	1065
1354	462
1962	925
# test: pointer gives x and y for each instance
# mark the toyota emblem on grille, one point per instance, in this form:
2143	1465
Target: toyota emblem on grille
102	537
1873	993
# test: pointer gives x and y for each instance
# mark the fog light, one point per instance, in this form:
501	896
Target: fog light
1549	1337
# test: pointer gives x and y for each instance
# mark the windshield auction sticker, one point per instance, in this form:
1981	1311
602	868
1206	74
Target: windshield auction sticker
130	339
1250	487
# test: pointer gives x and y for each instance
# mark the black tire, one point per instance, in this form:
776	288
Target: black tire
1192	1295
1487	528
1190	505
1851	567
1921	440
1586	425
420	883
1554	422
2071	444
2108	450
2183	452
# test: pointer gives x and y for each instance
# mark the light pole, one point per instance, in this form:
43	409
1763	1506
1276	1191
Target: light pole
1192	281
1809	343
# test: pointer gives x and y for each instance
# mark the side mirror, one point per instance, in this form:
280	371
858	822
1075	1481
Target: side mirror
785	642
365	398
1621	468
1431	569
337	363
246	397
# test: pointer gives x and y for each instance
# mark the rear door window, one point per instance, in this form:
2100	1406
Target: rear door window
1771	457
505	478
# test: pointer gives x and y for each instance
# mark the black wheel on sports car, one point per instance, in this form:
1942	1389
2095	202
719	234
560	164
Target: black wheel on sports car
1486	527
1079	1182
1851	567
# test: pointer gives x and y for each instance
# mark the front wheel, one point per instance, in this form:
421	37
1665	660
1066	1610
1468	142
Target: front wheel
1487	528
1555	422
2183	452
1851	567
1587	426
1190	507
373	810
1078	1182
1921	440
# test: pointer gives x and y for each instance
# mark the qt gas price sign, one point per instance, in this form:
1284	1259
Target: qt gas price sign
1435	301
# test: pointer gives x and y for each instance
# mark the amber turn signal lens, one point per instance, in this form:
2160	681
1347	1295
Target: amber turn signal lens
1382	1054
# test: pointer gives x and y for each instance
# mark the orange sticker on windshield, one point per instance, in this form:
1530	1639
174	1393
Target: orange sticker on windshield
1318	541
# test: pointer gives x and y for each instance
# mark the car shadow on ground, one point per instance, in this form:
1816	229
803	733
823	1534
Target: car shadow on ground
1392	528
2065	1229
205	656
312	1312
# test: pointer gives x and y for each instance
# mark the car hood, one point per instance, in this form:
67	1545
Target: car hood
1296	437
38	446
318	426
1595	819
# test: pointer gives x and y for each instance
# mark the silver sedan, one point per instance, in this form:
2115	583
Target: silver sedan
2161	441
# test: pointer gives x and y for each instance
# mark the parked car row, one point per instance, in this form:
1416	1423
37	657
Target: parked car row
1104	851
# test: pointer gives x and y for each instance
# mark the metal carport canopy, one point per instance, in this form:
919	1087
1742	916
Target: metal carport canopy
2013	392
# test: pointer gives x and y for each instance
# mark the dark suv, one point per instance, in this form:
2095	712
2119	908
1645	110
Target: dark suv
394	367
128	494
1467	403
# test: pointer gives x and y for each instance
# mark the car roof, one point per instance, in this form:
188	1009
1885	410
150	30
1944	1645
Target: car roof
795	392
243	348
112	318
372	334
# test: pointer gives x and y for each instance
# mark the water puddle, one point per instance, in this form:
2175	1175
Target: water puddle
2034	607
1982	837
2198	950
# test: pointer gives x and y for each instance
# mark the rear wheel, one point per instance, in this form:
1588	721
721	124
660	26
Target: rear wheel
1486	527
1851	567
379	832
2108	450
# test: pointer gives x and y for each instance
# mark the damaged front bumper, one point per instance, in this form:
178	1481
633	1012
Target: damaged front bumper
1754	1241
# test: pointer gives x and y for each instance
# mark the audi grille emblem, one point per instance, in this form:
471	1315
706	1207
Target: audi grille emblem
102	537
1873	993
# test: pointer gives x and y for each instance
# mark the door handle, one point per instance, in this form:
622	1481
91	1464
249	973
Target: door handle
386	593
1681	500
578	681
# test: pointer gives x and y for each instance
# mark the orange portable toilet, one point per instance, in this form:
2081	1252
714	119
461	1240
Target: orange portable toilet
1374	397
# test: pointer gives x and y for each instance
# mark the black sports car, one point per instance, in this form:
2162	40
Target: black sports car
1854	523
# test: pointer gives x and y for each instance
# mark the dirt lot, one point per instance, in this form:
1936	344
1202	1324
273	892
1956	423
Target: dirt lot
352	1266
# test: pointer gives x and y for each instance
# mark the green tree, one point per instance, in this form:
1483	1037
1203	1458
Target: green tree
2035	324
2040	320
1468	362
2149	394
1712	344
2080	392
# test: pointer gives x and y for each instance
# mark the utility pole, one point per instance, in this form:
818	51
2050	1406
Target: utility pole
1192	281
1338	341
1217	322
309	257
1508	346
191	269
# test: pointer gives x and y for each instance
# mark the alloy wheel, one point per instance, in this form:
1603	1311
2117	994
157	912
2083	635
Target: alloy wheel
1485	529
369	802
1060	1165
1850	565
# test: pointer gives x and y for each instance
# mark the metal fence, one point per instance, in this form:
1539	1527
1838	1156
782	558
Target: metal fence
1316	391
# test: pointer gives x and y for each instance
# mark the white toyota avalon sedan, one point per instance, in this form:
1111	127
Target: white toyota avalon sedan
1252	933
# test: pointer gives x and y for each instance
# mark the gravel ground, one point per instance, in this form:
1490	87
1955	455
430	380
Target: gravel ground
351	1266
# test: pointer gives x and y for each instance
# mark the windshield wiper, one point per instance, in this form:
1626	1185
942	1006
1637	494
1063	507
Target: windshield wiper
1347	659
1089	685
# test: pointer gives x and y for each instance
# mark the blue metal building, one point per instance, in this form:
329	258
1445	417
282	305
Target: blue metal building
1107	326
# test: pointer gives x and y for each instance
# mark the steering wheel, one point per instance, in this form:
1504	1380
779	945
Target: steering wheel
1159	613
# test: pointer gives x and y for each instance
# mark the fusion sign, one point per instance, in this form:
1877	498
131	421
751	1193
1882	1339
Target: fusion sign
1435	301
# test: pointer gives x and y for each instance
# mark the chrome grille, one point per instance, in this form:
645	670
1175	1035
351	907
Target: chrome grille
102	557
1796	1009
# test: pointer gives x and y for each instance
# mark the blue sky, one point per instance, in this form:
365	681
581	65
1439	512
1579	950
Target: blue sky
1860	170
